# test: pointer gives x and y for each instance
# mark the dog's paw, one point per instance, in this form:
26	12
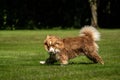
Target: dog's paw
42	62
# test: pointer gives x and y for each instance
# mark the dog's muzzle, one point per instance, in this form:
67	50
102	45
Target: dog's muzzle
53	50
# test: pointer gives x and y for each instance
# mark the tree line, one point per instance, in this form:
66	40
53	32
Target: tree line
47	14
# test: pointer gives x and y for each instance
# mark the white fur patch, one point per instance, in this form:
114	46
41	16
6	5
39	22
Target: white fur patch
51	49
57	50
42	62
50	42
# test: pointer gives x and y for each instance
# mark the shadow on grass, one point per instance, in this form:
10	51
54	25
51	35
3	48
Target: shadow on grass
83	63
71	63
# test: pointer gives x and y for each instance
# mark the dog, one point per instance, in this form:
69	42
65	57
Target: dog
63	50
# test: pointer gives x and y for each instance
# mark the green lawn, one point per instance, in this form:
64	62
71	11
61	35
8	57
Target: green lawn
21	51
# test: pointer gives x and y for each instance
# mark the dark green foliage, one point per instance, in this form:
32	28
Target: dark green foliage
39	14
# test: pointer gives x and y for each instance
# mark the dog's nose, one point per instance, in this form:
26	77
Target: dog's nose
51	49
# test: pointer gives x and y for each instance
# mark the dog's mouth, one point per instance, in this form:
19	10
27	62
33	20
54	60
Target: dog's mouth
53	50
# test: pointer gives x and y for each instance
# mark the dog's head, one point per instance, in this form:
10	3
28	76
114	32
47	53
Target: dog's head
53	44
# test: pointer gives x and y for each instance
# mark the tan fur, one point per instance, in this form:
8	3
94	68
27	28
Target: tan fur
64	49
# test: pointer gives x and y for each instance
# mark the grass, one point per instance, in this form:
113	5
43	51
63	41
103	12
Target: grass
21	51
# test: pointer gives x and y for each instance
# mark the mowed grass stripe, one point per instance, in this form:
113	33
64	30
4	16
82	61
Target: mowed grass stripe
21	51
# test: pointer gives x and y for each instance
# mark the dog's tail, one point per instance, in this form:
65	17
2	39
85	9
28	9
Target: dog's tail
91	32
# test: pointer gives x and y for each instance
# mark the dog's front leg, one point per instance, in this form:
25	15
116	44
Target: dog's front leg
63	60
50	60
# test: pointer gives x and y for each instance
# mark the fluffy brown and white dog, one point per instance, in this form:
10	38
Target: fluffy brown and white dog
64	49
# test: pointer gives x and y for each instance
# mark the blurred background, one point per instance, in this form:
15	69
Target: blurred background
60	14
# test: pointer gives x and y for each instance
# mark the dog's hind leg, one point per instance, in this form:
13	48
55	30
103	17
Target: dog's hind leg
95	57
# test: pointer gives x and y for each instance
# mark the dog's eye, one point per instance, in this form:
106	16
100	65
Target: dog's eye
57	43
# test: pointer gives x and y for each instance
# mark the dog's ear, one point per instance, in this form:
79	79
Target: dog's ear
46	46
47	37
45	41
60	43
